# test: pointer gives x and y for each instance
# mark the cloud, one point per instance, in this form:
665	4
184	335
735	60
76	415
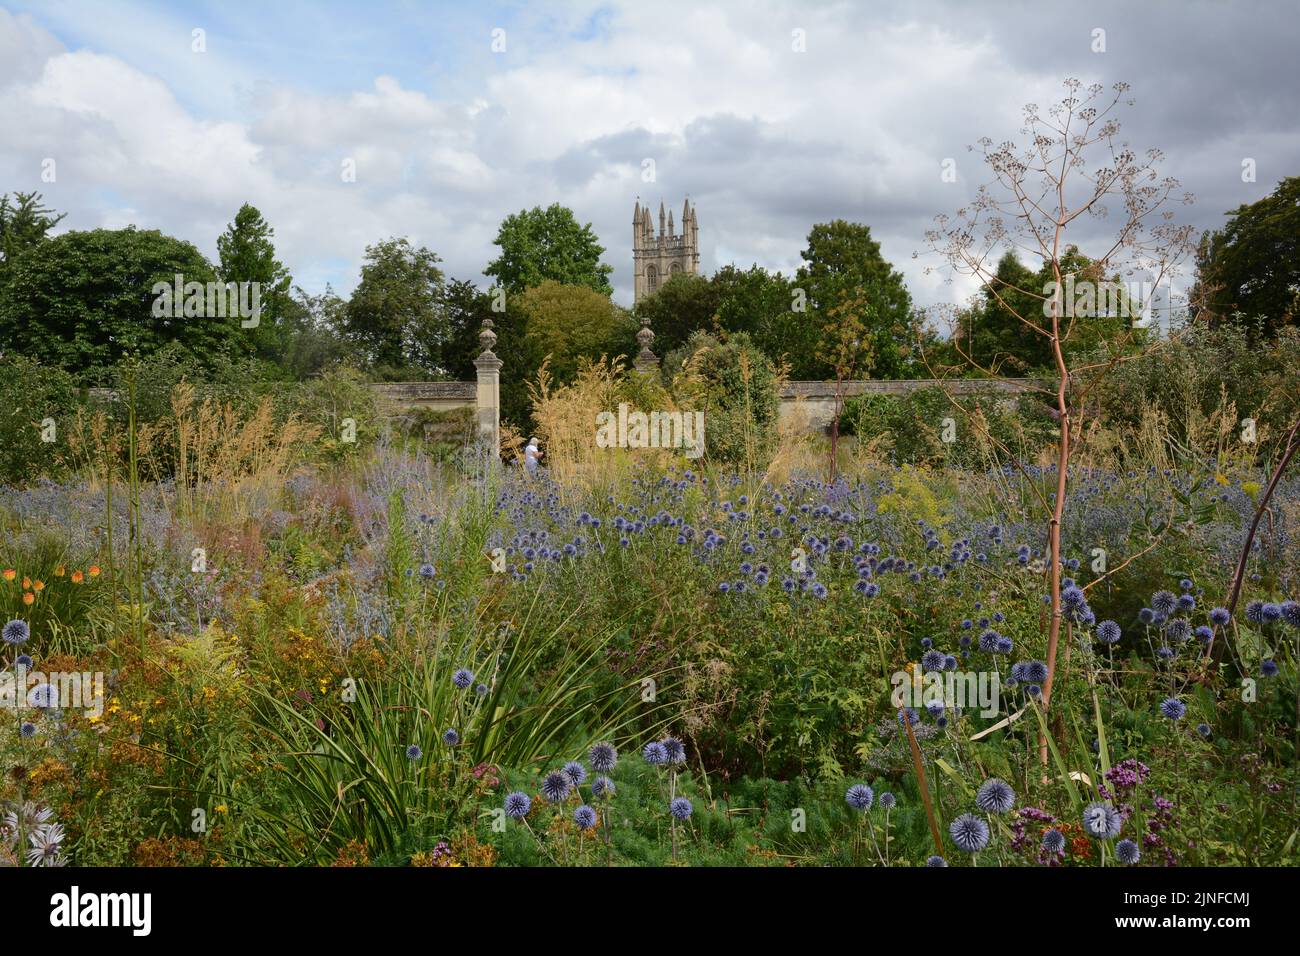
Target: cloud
447	137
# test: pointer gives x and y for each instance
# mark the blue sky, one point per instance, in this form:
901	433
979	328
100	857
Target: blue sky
449	136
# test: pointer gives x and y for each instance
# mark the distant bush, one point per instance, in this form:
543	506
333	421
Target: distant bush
736	387
32	394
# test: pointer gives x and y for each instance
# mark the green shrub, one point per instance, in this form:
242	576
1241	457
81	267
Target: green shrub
36	402
736	387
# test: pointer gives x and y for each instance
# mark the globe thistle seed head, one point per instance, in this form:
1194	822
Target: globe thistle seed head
969	833
15	632
1127	852
1101	821
859	797
518	804
556	786
603	757
995	796
1173	708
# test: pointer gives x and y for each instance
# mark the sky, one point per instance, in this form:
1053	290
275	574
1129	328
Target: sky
771	116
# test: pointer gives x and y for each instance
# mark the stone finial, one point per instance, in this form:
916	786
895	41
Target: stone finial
487	338
646	360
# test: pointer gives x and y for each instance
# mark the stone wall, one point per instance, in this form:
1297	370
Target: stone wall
816	400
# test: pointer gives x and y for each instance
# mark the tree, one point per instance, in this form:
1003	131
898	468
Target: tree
843	260
735	385
540	244
395	304
685	304
568	322
83	300
758	303
247	254
1039	192
1250	269
23	223
310	334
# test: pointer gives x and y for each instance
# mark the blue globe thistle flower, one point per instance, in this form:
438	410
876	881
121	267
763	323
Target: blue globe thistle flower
1186	603
575	771
859	797
1146	615
427	571
724	586
15	632
908	715
1005	645
989	641
935	860
1053	841
518	804
819	590
674	752
1204	634
888	800
1108	632
27	729
1034	690
1204	730
995	796
481	690
1164	602
1178	629
1291	613
1173	708
1073	598
1166	653
603	757
932	660
414	752
969	833
462	678
949	663
1220	616
1255	612
1127	852
584	817
22	660
1035	672
602	786
935	708
1101	821
1186	584
654	753
1268	668
556	786
43	696
450	737
681	808
1270	613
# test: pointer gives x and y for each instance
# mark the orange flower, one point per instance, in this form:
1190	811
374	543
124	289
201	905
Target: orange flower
60	571
27	583
38	585
10	574
93	570
77	577
28	597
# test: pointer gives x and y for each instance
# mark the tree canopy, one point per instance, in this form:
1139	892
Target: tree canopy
539	244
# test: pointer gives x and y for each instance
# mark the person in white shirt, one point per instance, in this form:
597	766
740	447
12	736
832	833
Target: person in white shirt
531	455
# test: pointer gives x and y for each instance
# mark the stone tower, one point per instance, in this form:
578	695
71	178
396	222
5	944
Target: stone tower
656	259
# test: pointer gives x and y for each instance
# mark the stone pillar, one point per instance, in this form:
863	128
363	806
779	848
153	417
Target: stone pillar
647	363
488	397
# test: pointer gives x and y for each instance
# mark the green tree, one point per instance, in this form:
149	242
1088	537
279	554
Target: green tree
393	315
539	244
24	222
683	305
311	334
247	254
735	385
842	260
569	322
759	303
82	300
1249	271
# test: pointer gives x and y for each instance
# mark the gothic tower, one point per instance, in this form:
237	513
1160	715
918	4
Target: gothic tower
656	259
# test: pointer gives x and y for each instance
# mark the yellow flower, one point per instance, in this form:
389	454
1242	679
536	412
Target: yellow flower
220	808
10	574
28	597
60	571
1220	479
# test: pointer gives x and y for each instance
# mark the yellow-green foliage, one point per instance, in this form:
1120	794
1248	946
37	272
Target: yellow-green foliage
912	497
